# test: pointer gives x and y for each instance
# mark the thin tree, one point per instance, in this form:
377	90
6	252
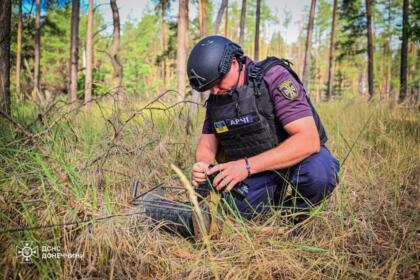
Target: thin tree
182	45
203	18
74	52
257	31
387	59
332	49
89	55
5	34
115	51
242	23
196	97
226	19
37	52
307	59
19	47
414	92
371	77
222	8
404	52
164	6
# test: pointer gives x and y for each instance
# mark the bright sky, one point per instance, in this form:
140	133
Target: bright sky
134	9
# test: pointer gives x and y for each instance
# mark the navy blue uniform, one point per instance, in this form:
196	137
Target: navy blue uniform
311	180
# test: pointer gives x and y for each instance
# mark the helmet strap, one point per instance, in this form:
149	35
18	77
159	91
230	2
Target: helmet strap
237	80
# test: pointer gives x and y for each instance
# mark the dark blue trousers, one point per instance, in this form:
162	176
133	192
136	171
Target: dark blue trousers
311	180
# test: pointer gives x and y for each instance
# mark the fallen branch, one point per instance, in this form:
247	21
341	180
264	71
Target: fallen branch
16	124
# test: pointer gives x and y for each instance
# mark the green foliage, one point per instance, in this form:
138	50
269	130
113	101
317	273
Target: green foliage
414	21
55	48
266	18
353	29
139	55
323	17
142	54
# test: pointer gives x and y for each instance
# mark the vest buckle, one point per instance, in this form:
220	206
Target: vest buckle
256	73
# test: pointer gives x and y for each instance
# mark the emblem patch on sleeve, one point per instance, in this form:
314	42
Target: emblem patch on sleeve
288	89
220	127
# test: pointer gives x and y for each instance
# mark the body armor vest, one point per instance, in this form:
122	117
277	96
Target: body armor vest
244	120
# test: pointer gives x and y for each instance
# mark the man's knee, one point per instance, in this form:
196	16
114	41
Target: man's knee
260	193
316	177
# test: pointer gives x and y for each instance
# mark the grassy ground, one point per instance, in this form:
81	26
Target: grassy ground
79	166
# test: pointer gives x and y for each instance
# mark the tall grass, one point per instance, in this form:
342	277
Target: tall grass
80	170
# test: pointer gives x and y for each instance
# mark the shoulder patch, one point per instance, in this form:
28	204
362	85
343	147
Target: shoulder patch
288	89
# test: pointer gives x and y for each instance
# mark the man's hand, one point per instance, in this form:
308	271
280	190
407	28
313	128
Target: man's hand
231	173
199	171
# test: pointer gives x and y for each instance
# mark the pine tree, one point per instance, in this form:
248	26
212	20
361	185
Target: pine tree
74	52
307	61
182	45
332	49
404	52
37	90
242	23
115	52
89	55
369	27
5	22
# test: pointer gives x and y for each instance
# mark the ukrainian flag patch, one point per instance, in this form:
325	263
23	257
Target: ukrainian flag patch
221	127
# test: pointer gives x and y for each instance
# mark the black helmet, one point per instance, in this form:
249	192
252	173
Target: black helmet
209	60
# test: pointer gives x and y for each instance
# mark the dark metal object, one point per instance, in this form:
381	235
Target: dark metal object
173	216
239	191
177	216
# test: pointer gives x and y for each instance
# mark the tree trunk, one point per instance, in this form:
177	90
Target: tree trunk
203	18
227	19
319	75
388	55
404	52
242	23
371	77
223	5
257	31
115	52
182	45
89	55
384	87
414	95
36	91
307	59
331	58
74	52
19	47
163	6
197	97
5	34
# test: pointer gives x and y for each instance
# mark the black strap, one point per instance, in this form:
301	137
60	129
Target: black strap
259	69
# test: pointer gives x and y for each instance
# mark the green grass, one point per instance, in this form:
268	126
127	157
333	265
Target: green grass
81	170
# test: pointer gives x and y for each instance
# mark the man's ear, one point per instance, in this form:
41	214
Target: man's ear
236	61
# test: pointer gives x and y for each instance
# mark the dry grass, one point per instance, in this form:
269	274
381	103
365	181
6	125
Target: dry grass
369	228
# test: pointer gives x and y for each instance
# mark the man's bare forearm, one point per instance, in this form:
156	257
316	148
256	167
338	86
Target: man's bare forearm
206	150
204	155
292	151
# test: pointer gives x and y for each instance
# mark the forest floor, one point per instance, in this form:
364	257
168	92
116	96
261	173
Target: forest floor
76	166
